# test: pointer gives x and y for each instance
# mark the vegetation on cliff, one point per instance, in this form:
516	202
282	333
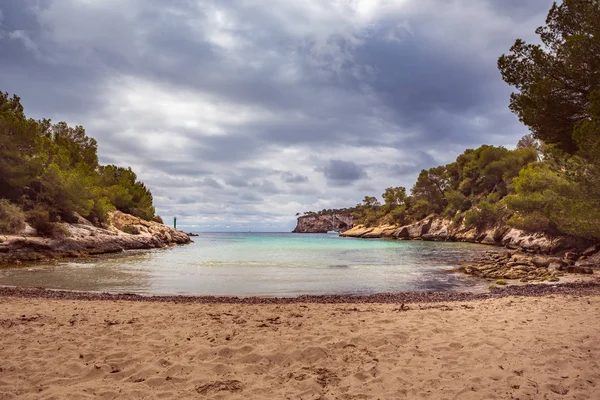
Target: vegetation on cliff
51	171
471	189
551	182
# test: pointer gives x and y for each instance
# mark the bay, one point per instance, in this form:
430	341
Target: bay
264	264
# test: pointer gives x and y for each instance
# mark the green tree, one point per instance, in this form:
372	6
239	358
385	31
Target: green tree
20	161
429	190
51	171
557	79
394	197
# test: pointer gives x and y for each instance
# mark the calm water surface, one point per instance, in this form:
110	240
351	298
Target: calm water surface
266	264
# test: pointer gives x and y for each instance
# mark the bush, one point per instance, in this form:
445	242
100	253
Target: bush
532	222
398	215
457	220
158	218
39	219
484	215
12	218
371	220
457	202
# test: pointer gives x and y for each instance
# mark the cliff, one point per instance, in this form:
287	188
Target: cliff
324	223
439	229
123	232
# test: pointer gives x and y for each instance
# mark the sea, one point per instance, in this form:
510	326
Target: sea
263	264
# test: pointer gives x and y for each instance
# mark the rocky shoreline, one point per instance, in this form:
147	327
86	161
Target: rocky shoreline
526	256
514	265
82	239
434	228
591	287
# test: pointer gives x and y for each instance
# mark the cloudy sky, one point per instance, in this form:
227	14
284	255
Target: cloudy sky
238	114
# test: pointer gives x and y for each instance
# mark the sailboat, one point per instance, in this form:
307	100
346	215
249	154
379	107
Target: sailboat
333	225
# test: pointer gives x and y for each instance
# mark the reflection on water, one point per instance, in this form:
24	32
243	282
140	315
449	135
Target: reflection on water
263	264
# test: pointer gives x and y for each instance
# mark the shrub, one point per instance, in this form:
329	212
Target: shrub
501	282
397	215
457	220
39	219
12	218
484	215
457	202
158	218
371	220
533	222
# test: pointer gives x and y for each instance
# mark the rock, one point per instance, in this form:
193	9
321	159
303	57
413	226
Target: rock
556	260
439	230
81	221
540	262
579	270
555	267
571	256
86	239
28	230
590	262
590	251
324	223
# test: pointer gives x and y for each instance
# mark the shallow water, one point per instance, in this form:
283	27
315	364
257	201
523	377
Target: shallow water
264	264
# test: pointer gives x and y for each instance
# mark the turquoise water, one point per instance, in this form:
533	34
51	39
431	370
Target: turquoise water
265	264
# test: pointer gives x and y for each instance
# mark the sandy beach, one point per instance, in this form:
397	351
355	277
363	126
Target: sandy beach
495	348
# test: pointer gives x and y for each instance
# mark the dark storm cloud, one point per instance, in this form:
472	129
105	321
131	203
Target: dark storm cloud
246	111
340	172
289	177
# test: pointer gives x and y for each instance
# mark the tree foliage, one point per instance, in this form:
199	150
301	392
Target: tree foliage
51	171
472	186
557	79
558	83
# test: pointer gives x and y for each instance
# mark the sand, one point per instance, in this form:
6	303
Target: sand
513	347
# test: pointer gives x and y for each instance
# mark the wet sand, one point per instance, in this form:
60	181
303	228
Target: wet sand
527	345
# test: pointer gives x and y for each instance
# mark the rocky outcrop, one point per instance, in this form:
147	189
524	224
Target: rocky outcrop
123	232
515	265
439	229
529	256
324	223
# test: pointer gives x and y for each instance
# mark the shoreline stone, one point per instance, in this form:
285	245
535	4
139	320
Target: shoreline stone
530	290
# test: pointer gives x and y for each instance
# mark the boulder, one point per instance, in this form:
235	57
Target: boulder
540	262
590	251
28	230
579	270
555	267
571	256
590	262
